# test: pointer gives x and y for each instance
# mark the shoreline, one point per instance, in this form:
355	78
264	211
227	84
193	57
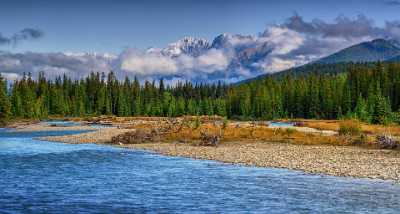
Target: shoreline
344	161
335	160
95	136
322	159
40	126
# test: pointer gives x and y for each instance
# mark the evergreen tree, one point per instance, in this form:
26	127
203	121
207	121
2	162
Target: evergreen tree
382	110
368	91
361	110
5	106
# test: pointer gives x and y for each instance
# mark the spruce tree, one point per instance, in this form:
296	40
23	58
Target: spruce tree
361	110
5	106
382	110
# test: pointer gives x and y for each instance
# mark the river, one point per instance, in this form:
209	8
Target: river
47	177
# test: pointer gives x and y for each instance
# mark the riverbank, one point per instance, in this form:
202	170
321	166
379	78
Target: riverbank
318	153
42	126
347	161
322	159
98	136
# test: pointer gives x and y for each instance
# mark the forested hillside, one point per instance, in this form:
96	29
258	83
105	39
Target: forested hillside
371	51
369	92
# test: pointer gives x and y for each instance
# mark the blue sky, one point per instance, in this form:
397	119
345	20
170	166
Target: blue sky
265	36
111	26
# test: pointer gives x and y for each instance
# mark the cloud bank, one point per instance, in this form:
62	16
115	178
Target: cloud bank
25	34
229	57
393	2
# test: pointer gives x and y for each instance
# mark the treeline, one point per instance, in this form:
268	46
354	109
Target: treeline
99	94
370	93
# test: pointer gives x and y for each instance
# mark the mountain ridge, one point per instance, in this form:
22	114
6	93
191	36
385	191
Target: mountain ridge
370	51
383	50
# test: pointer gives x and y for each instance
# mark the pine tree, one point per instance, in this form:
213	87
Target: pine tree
171	107
180	107
361	110
245	101
220	107
191	107
382	110
16	102
5	106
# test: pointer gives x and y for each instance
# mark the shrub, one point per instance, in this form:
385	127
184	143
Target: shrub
225	123
361	140
395	117
350	127
290	131
197	123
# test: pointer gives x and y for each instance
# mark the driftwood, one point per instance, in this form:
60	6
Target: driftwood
136	137
209	139
386	142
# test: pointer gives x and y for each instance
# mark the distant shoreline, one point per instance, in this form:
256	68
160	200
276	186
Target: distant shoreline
346	161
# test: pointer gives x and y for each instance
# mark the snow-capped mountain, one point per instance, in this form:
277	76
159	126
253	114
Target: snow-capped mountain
188	45
236	41
245	49
242	51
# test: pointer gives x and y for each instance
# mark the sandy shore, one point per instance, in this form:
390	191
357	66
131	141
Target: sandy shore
37	127
100	136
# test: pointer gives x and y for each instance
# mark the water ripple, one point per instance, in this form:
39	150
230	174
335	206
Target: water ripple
45	177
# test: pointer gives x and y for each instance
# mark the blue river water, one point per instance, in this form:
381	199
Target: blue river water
46	177
281	124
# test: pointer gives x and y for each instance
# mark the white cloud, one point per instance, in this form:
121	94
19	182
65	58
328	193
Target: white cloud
11	76
54	71
10	63
213	60
235	57
282	40
274	64
147	64
153	63
174	81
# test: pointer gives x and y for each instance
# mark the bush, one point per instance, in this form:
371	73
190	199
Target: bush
361	140
197	123
395	117
225	123
350	127
290	131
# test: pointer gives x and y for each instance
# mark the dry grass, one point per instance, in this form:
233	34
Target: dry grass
334	125
249	134
321	124
190	133
350	127
379	129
